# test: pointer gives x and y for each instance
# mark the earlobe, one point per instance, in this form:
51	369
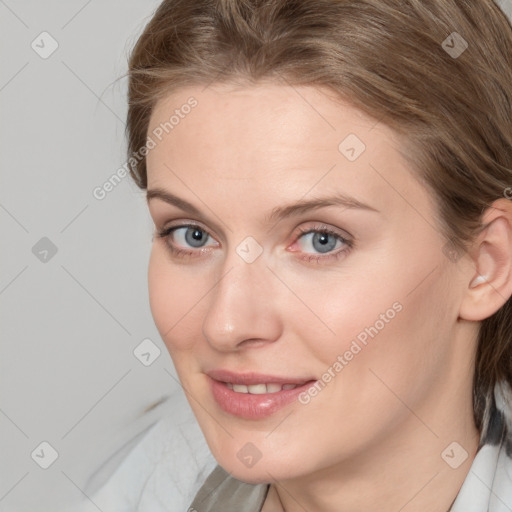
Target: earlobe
491	286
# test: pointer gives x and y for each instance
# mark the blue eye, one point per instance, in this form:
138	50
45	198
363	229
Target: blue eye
322	241
191	235
321	244
182	240
315	244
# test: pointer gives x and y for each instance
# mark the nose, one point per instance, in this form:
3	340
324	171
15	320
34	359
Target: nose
242	308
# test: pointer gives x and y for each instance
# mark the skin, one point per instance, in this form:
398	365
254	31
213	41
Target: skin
373	437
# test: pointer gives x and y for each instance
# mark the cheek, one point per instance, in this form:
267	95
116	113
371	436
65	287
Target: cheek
347	310
174	297
390	320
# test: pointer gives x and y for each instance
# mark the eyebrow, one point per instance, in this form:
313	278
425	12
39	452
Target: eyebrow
278	213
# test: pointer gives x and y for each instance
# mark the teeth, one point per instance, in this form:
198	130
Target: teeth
257	389
260	389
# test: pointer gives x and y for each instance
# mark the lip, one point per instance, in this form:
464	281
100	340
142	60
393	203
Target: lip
253	378
252	406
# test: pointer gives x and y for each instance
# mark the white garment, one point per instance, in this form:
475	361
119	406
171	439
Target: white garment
164	470
171	461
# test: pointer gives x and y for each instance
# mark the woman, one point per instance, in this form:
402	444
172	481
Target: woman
331	271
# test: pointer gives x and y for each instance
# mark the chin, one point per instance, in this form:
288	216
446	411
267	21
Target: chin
258	474
261	472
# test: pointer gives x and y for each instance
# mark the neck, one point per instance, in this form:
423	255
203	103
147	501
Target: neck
405	471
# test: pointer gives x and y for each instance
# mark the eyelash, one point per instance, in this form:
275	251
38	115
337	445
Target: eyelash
177	251
349	244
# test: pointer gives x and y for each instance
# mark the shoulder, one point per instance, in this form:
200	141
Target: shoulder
159	470
488	485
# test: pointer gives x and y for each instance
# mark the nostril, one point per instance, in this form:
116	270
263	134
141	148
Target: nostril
254	343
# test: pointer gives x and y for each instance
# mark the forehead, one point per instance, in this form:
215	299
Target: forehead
281	141
272	117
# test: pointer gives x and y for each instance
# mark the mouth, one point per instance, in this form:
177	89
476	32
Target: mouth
261	389
255	396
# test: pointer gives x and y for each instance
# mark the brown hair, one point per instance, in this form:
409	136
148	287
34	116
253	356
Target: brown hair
390	59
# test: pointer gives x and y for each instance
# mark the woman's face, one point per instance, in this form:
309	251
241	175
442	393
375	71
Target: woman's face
304	251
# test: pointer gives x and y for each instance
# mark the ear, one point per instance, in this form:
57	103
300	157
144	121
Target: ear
491	285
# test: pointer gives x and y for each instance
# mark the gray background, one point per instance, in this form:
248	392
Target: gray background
70	321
